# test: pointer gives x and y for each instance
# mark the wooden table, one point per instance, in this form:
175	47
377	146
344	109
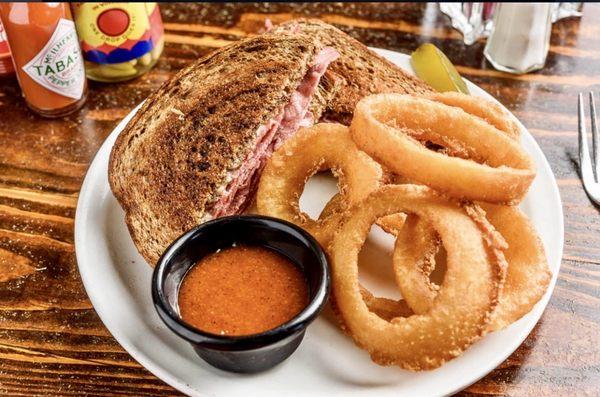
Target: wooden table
53	343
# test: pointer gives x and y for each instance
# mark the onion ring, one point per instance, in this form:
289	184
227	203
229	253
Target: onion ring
385	308
489	111
461	310
417	242
527	275
323	146
390	128
334	205
390	224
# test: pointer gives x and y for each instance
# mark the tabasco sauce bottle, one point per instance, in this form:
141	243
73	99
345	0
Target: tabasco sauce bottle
46	56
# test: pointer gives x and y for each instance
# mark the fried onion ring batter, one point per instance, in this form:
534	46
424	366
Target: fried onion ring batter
527	276
460	312
321	147
486	164
390	224
489	111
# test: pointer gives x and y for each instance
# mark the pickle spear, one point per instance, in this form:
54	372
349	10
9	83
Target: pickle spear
435	68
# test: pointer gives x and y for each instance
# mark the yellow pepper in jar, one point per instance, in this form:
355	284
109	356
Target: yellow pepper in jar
119	41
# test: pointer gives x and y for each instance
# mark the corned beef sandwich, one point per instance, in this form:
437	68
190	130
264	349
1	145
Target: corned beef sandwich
196	148
362	71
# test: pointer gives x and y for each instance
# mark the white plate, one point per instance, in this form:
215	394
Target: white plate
117	281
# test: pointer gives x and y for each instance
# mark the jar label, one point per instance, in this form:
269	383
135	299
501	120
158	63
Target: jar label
117	32
59	65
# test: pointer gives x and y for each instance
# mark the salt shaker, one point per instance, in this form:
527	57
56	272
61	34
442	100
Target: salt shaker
520	37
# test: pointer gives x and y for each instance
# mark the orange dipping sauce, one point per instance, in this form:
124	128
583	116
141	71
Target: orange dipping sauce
242	291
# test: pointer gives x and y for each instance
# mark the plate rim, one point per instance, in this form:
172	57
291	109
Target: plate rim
168	377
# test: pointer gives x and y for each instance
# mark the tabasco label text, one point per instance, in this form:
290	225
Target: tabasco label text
59	65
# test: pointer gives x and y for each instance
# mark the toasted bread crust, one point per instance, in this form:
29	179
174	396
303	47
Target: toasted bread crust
327	89
171	160
363	71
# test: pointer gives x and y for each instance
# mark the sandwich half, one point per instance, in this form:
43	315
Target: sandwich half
195	149
361	70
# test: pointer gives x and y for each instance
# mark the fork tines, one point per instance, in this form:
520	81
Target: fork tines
589	167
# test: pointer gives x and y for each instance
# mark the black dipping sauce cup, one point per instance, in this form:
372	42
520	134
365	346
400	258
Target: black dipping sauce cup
247	353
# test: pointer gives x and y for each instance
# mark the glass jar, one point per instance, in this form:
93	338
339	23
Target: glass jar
120	41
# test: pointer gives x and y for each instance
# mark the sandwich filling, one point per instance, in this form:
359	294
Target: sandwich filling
270	136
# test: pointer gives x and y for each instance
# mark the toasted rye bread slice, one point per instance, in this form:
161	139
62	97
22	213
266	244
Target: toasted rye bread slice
363	71
329	86
174	157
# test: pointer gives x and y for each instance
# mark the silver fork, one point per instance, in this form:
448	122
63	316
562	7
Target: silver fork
588	169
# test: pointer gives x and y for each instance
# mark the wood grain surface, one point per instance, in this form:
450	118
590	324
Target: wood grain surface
53	343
